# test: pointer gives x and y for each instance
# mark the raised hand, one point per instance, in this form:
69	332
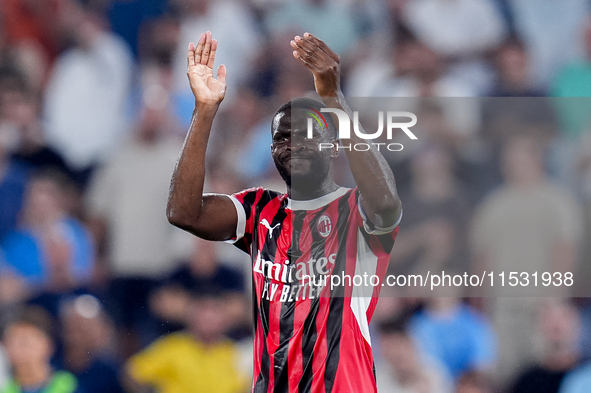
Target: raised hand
206	89
324	64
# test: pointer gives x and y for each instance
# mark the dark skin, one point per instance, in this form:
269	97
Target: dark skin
300	161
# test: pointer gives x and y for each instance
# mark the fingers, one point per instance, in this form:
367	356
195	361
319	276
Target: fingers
222	73
304	59
199	49
206	49
222	78
320	44
191	55
307	46
307	53
214	47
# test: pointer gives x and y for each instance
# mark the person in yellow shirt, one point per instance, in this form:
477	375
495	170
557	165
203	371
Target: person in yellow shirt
198	360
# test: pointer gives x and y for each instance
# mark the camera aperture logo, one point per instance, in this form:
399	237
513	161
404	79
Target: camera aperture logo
344	129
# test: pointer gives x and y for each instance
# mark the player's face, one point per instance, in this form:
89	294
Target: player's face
298	158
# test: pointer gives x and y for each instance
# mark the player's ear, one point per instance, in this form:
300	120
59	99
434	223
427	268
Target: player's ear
334	151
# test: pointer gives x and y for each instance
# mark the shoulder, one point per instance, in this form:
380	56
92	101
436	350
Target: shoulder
257	195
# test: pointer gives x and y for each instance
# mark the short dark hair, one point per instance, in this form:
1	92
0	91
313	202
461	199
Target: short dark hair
35	316
304	103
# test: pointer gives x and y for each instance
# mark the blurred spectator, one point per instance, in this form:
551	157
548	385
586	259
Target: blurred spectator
51	250
241	139
514	71
86	335
474	382
126	202
233	25
13	176
549	49
86	96
559	327
204	272
158	40
574	80
528	224
335	22
127	17
4	369
573	84
436	214
403	369
457	335
460	31
13	289
29	344
421	72
578	381
19	112
31	22
199	360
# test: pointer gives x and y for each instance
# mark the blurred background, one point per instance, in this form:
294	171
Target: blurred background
94	106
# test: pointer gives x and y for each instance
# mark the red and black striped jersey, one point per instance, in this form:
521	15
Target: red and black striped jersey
311	337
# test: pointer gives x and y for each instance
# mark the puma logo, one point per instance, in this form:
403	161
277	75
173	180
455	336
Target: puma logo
269	227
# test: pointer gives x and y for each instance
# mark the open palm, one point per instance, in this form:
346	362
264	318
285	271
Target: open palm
206	88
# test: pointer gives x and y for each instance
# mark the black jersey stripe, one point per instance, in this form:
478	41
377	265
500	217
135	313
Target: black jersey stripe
308	341
263	377
334	324
262	382
280	359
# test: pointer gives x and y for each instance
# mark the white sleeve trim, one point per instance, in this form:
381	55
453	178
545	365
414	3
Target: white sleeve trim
376	230
241	223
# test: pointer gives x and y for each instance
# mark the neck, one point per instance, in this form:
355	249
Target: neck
305	192
33	375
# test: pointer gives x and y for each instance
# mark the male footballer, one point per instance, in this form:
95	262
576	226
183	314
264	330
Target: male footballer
310	336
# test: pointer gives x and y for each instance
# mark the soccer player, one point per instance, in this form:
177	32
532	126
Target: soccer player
309	337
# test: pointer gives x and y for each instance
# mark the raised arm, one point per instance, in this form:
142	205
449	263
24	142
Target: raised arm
370	170
210	216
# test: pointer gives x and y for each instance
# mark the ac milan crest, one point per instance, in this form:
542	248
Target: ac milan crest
324	225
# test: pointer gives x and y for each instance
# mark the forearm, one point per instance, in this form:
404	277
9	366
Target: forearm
371	172
186	187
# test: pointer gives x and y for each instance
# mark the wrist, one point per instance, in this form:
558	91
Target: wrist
206	108
330	100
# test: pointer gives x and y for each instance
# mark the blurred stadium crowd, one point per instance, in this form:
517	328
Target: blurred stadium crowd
94	105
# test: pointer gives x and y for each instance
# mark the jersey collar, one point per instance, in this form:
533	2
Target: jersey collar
313	204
